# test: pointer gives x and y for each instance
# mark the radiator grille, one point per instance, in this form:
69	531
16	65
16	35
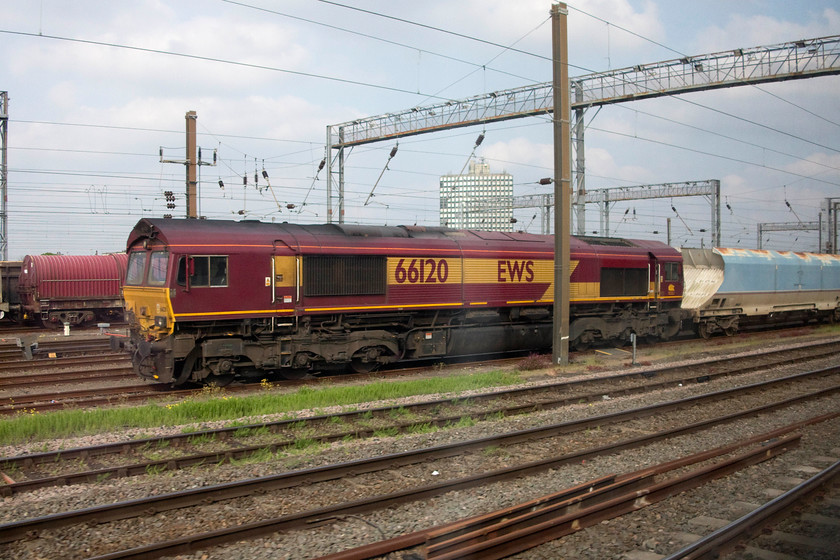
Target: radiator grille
339	275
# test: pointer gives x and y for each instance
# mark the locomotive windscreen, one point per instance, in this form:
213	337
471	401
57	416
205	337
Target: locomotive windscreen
340	275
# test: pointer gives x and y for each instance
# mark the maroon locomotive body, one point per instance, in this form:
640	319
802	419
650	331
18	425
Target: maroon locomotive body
214	300
58	289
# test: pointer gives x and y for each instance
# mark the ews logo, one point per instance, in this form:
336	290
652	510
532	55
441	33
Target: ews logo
515	271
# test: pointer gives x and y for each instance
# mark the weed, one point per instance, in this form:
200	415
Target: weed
154	470
465	422
262	455
424	428
386	432
214	405
251	432
535	361
202	439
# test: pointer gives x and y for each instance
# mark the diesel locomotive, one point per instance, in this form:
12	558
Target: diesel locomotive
212	301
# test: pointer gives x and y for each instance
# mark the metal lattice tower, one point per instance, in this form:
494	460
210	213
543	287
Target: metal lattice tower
793	60
787	226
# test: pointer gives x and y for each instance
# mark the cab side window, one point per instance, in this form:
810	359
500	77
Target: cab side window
672	272
204	271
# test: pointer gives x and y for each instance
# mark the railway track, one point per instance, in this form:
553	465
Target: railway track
522	527
573	452
201	497
17	349
122	394
440	411
801	522
124	459
80	366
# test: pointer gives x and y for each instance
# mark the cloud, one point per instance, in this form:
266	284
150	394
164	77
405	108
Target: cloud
756	30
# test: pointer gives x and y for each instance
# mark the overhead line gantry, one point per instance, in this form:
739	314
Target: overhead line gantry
792	60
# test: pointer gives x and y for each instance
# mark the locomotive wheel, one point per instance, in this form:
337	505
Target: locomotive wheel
583	342
294	373
220	380
358	366
365	360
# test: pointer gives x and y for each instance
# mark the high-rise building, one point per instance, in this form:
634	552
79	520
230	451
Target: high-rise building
480	200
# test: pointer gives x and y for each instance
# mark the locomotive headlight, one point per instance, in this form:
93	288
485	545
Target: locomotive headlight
160	322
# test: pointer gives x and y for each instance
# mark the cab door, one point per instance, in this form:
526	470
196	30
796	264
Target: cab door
285	280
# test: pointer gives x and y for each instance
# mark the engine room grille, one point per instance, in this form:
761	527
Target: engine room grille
624	282
339	275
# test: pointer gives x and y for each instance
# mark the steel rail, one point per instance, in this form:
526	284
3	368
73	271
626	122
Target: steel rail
629	501
517	538
38	379
60	362
728	537
823	349
239	452
58	401
473	530
225	491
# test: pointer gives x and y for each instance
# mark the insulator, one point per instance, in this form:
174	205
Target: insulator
265	174
221	184
393	151
322	164
546	181
479	140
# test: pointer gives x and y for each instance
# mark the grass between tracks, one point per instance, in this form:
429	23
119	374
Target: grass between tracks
215	405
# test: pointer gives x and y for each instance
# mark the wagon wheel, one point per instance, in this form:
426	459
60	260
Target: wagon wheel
730	331
52	325
703	331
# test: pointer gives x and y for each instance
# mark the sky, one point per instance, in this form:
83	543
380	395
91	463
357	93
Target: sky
99	91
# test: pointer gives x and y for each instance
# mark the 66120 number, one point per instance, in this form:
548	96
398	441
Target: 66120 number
421	271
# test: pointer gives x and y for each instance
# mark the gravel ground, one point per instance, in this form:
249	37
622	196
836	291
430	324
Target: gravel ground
608	540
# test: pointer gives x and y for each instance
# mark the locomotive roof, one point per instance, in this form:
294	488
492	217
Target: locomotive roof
188	232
